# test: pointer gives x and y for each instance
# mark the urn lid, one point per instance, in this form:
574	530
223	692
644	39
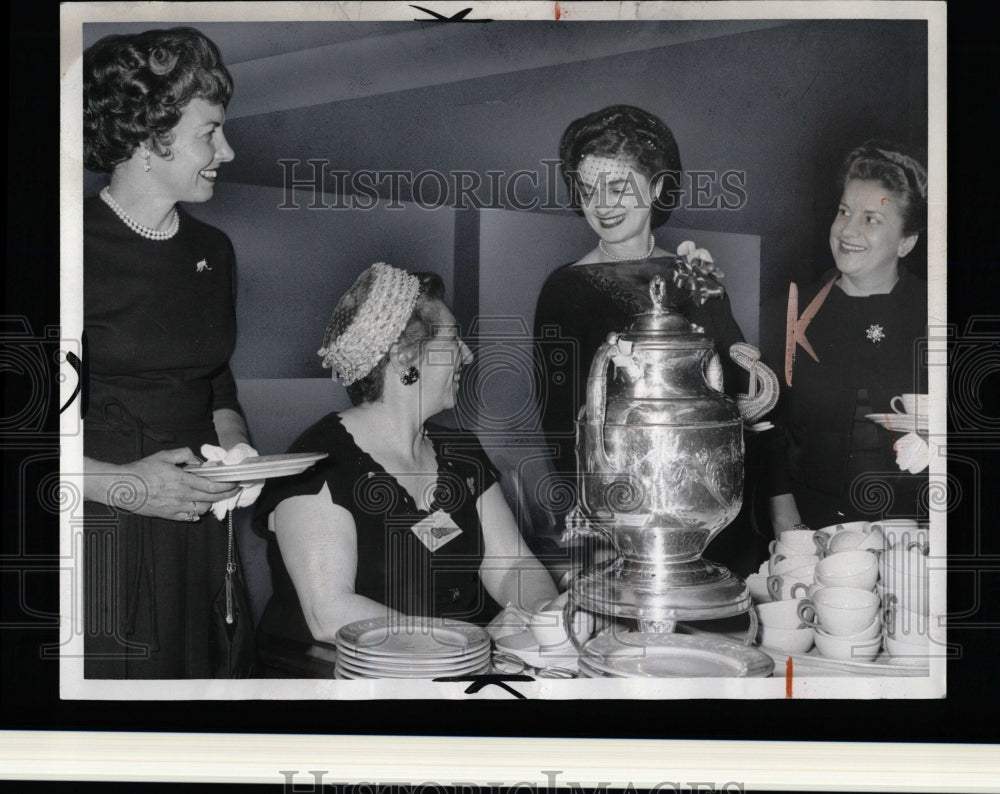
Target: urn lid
662	321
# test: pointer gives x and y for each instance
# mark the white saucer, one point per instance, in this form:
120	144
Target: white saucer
900	423
526	648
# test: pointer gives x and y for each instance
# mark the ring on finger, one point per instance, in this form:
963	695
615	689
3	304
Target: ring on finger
192	516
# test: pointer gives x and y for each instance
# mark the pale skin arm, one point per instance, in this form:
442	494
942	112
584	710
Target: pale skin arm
784	512
511	574
230	427
319	545
160	488
163	489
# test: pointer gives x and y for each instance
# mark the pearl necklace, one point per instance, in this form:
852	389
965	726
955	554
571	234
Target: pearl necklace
138	228
609	255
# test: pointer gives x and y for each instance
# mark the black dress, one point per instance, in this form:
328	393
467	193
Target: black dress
396	566
578	307
839	465
160	326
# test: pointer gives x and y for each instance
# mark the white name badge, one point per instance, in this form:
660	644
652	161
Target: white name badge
436	530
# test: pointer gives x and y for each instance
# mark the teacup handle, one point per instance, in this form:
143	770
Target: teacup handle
888	620
916	544
778	558
799	587
807	613
820	541
899	409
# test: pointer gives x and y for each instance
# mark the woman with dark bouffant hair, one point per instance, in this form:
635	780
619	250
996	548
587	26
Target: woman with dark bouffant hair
160	326
622	166
853	344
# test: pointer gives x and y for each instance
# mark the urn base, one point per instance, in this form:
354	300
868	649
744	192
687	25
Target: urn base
693	590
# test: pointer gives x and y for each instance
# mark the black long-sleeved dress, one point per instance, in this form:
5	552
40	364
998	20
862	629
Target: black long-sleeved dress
160	326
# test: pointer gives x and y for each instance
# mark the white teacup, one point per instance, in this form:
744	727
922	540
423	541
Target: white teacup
906	653
800	541
855	568
840	611
906	592
845	541
873	629
848	649
548	628
787	640
916	404
900	531
900	619
776	547
787	566
757	585
782	614
782	588
910	560
824	535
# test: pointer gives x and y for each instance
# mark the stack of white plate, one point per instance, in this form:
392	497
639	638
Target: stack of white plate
411	648
651	655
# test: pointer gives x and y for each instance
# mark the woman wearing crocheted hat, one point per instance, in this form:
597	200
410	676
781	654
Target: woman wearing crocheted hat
402	517
160	324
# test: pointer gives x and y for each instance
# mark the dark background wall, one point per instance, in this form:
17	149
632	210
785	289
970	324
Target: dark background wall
779	102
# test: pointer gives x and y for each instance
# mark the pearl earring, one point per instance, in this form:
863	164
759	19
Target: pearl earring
145	157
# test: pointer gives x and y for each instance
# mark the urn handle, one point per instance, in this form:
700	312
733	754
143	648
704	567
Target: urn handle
762	395
597	394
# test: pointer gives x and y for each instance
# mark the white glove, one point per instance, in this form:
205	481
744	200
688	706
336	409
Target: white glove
249	490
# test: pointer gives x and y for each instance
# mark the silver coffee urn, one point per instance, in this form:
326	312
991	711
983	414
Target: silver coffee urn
660	473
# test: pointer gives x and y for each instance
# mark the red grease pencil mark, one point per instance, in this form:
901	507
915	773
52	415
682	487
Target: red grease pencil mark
558	12
789	672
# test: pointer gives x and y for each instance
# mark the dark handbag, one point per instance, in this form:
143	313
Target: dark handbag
232	652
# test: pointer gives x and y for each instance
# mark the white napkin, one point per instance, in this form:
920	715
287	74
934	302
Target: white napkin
912	453
250	490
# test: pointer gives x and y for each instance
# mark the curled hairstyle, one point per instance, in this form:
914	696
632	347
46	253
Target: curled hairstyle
420	326
135	88
628	132
898	172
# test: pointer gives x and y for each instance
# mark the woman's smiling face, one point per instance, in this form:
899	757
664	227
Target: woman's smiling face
197	149
866	237
616	197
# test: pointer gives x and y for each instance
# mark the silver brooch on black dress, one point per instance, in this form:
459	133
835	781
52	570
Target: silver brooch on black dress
875	333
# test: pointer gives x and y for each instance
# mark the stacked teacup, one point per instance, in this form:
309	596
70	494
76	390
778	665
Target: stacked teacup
843	605
780	587
904	590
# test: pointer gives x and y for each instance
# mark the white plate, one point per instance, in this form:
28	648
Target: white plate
813	663
526	648
412	638
654	655
402	671
900	423
260	467
360	656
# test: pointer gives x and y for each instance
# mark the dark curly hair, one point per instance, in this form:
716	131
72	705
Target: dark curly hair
899	172
135	88
425	317
630	132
